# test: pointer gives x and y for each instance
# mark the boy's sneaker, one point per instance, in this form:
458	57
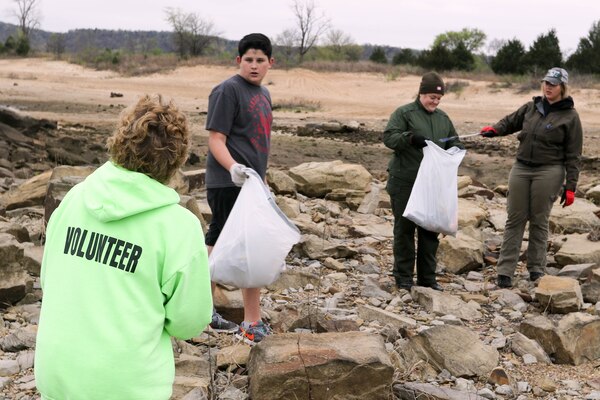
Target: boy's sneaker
254	332
220	324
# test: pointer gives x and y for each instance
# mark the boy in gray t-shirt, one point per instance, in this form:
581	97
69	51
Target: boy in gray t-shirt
239	124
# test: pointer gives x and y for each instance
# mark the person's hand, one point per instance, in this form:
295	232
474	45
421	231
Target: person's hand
238	176
488	131
567	198
417	140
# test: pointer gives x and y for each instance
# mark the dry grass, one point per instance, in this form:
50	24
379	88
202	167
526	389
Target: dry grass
456	86
298	105
344	66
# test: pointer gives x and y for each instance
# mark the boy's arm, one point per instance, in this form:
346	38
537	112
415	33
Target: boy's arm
216	145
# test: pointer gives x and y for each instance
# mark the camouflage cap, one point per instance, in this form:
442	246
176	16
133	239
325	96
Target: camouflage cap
556	76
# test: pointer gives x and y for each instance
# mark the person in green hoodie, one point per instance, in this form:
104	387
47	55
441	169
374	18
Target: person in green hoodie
548	158
122	269
407	129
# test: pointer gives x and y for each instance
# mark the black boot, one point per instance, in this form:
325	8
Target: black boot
404	285
534	276
504	281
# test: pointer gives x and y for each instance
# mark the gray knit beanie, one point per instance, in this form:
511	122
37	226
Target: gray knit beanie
431	83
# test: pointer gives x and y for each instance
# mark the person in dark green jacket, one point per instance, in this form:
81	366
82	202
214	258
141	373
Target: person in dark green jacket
548	157
408	128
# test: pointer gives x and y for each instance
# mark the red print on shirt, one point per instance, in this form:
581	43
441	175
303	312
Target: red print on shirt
260	111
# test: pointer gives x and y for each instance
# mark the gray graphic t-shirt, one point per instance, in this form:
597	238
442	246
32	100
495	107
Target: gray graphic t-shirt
241	111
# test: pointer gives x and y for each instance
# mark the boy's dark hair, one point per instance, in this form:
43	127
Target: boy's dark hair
256	41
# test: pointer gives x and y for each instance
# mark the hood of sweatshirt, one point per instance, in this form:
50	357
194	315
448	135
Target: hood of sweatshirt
112	193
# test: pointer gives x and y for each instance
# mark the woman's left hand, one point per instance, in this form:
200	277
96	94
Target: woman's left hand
568	197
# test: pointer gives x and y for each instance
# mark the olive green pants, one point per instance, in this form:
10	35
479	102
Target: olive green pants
404	240
531	193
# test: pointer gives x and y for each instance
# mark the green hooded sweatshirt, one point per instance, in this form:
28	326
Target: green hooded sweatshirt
124	268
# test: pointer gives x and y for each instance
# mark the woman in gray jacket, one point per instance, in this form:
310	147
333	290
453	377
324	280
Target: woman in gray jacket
550	143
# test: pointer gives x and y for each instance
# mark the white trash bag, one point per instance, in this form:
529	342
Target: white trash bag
251	249
433	201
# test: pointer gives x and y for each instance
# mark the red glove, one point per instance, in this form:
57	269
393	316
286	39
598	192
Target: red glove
488	131
567	198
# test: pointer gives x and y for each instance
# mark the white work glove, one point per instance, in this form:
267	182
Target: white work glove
237	175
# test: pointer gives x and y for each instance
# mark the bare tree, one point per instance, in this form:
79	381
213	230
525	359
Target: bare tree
27	15
338	41
193	34
56	44
286	45
310	25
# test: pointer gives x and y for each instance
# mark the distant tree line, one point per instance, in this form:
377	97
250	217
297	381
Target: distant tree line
512	58
310	38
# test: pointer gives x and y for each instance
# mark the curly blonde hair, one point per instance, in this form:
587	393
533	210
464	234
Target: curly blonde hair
152	137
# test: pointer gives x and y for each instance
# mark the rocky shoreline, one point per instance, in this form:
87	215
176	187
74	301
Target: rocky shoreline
339	320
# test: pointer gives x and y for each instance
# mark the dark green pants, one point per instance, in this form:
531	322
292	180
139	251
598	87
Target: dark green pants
532	192
404	240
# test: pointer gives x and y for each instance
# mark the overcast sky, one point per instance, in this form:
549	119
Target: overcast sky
400	23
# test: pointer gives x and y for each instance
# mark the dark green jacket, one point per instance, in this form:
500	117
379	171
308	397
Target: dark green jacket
550	135
413	117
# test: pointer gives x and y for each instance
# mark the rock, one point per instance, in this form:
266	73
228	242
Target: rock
194	366
373	200
372	226
460	254
590	289
19	232
316	179
192	205
559	295
593	195
184	386
574	340
62	179
194	178
293	278
198	393
577	249
280	182
60	155
577	218
16	119
577	271
319	366
522	345
236	354
511	299
9	367
179	183
470	214
290	207
318	248
442	303
498	376
371	288
547	385
370	313
30	193
15	282
455	348
229	303
21	339
418	391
